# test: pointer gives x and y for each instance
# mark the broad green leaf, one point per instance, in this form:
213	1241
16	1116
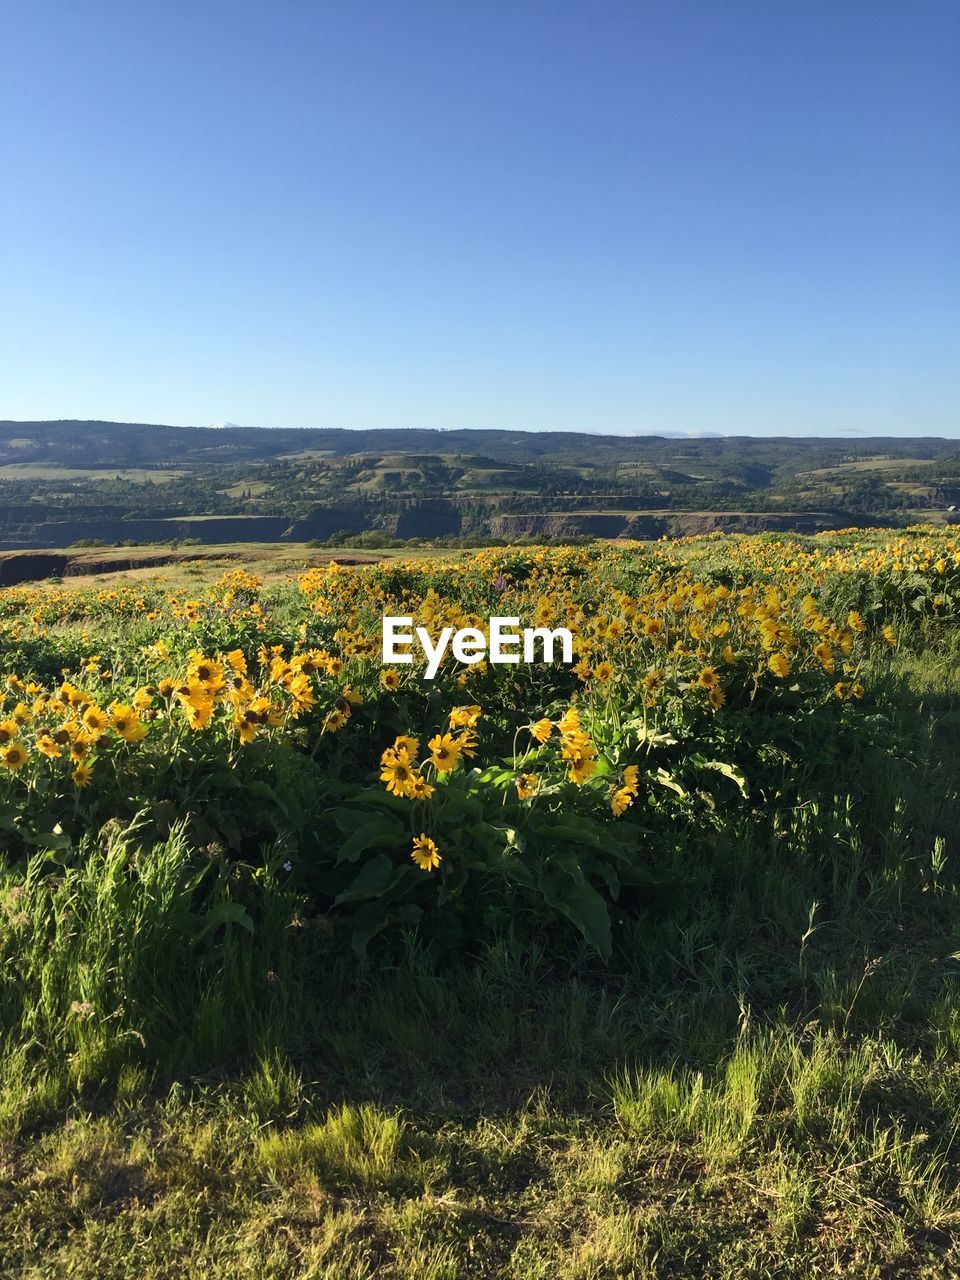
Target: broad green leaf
225	913
376	879
668	780
375	833
568	892
728	770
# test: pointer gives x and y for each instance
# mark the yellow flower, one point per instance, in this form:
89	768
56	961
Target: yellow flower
569	721
542	729
580	765
334	721
14	757
237	662
303	699
621	801
127	723
246	725
8	730
206	672
143	699
76	697
526	784
398	773
890	636
82	775
824	655
199	713
425	853
390	679
95	719
603	672
444	752
631	779
464	717
855	622
193	694
708	678
405	743
46	746
779	664
420	788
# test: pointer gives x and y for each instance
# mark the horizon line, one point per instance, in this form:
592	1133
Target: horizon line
849	435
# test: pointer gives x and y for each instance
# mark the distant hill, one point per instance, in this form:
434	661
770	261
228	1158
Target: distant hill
69	442
67	481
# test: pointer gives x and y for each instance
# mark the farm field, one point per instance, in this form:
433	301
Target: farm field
642	966
42	471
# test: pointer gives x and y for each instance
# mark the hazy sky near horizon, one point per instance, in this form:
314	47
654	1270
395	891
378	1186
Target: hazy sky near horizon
675	215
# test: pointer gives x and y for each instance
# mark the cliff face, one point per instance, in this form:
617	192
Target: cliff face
29	567
431	518
212	531
408	518
688	524
677	524
570	525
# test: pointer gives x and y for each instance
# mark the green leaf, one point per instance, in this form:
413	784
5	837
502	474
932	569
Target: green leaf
646	733
225	913
568	892
348	819
49	840
728	770
451	802
262	790
668	780
511	837
375	879
496	776
576	830
370	921
378	832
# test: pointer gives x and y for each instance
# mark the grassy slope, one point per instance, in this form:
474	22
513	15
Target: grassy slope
765	1083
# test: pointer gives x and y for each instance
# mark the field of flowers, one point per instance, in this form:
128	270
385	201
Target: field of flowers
237	846
705	677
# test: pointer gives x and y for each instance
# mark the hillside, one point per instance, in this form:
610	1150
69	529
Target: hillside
66	482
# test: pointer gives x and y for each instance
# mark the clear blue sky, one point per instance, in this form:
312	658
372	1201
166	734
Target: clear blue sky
688	215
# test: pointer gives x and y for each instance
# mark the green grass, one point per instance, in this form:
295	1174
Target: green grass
765	1081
